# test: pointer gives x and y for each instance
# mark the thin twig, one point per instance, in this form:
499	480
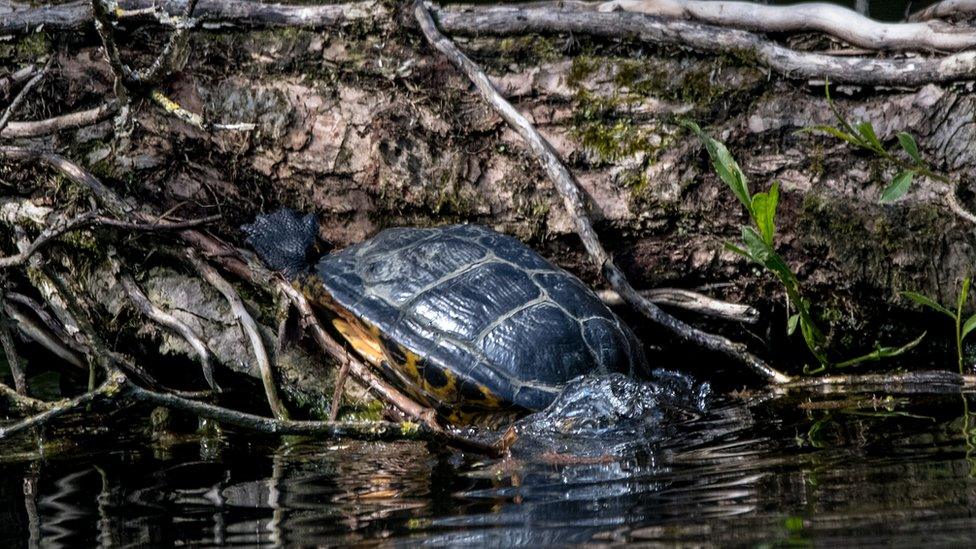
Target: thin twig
37	128
86	219
569	189
24	92
690	301
250	328
149	309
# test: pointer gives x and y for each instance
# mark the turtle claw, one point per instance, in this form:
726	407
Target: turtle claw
283	240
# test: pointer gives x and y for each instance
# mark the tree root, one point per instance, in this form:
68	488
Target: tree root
837	21
889	71
569	189
160	316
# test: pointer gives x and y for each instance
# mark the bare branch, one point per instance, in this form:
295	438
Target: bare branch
946	9
13	357
63	225
52	325
837	21
76	14
43	337
250	329
152	311
569	189
690	301
886	71
23	404
68	121
22	95
64	407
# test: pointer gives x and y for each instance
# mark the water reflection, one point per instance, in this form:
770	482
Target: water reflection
876	471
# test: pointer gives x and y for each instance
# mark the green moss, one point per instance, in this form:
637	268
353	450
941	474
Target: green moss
372	411
25	49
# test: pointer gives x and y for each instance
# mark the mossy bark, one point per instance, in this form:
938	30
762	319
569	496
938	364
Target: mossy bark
368	128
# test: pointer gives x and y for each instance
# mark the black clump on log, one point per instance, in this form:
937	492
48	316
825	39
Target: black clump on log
283	240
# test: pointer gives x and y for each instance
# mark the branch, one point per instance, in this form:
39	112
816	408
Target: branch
690	301
837	21
194	119
13	357
22	95
42	336
72	171
61	408
18	17
63	225
144	305
569	189
250	328
946	9
894	71
68	121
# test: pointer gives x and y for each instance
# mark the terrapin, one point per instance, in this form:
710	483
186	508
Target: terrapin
464	319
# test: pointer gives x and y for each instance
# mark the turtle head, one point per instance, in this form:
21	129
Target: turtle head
283	240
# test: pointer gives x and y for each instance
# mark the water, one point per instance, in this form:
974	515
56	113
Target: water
730	470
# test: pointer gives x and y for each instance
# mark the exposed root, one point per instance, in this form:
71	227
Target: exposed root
946	9
881	71
53	342
13	357
250	328
837	21
37	128
146	307
569	189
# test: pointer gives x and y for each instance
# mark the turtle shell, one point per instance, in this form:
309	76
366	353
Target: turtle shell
465	318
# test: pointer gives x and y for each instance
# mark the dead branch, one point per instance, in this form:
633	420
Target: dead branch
37	128
23	404
21	17
945	9
73	172
888	71
146	307
13	357
250	328
51	341
87	219
837	21
569	189
64	407
39	311
22	95
16	77
690	301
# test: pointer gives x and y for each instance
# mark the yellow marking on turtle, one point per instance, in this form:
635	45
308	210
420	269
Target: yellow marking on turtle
409	368
365	341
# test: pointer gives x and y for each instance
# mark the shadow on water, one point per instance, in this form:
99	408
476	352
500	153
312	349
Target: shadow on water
872	469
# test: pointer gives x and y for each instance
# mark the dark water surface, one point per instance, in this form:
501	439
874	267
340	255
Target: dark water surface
878	469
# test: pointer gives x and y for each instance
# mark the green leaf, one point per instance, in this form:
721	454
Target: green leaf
867	134
724	165
733	248
969	326
929	302
791	324
765	255
897	188
909	146
882	353
764	207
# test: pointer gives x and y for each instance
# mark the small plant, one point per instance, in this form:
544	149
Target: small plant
758	245
963	328
905	157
